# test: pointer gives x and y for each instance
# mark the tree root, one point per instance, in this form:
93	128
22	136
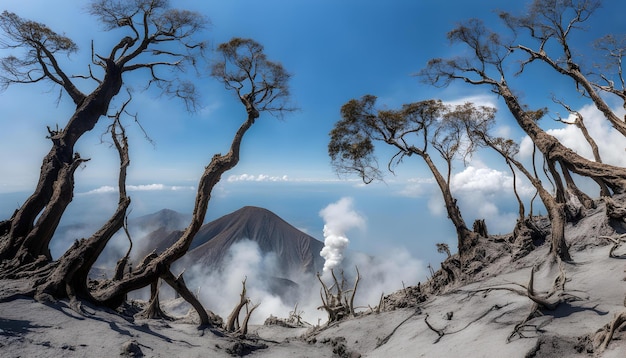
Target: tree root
153	310
442	332
614	211
549	302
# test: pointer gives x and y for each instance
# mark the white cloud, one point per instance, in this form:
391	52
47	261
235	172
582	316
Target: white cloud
142	187
260	177
486	180
176	188
502	131
145	187
436	205
526	148
102	190
482	192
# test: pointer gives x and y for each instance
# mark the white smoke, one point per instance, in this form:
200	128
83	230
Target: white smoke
339	217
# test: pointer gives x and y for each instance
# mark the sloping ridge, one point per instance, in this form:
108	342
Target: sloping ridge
163	228
296	251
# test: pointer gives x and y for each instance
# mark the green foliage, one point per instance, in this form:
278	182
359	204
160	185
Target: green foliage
410	130
256	80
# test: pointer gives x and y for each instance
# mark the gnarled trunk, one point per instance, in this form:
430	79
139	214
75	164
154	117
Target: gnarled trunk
53	176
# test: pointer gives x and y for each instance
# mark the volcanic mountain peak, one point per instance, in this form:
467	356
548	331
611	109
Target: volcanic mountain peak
296	251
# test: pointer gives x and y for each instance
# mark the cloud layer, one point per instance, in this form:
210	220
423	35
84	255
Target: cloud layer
260	177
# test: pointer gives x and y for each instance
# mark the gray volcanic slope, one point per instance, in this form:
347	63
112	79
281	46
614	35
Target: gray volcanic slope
296	252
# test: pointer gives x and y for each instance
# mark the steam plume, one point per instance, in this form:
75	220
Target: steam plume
339	217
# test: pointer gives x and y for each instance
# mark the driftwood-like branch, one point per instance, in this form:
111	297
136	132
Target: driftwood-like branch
232	323
610	328
617	242
550	301
614	211
545	302
122	263
244	326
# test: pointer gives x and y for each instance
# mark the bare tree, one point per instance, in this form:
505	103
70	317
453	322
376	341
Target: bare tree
156	37
550	22
580	123
487	67
261	86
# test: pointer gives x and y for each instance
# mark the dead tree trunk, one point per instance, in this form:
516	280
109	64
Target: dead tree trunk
123	263
25	234
521	210
72	270
480	227
178	284
36	242
244	325
584	199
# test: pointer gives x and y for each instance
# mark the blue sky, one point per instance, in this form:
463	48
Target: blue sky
336	51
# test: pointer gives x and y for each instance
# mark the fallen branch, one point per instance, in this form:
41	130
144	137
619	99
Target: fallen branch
178	284
545	302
